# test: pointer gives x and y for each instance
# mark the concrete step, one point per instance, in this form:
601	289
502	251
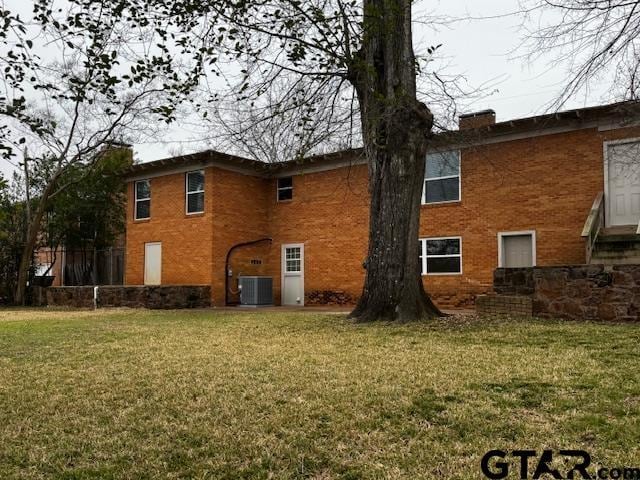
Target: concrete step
615	260
616	257
617	248
619	234
619	245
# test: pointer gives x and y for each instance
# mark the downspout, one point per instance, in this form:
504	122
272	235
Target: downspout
226	263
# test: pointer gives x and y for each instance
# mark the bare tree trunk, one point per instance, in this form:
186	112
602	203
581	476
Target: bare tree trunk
27	185
33	229
395	128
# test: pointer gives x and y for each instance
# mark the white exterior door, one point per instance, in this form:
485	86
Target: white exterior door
623	195
152	263
293	274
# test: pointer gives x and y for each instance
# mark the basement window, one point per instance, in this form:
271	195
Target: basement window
195	192
285	189
142	192
441	256
442	178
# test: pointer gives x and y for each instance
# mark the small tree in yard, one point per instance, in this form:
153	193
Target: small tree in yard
91	215
327	49
68	110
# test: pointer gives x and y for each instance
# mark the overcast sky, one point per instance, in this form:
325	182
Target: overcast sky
481	48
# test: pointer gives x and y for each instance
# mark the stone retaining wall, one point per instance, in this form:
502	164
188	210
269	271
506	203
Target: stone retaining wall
154	297
581	292
76	297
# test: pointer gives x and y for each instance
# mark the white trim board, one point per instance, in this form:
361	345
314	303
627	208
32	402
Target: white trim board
191	168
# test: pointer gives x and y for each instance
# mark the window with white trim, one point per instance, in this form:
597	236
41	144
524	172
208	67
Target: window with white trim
442	177
142	192
285	189
195	191
441	256
293	259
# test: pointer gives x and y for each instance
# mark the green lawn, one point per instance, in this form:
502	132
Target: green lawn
137	394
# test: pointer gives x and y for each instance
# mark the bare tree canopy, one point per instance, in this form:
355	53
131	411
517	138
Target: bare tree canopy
595	41
262	131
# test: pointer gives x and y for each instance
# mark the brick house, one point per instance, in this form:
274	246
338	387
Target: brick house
510	194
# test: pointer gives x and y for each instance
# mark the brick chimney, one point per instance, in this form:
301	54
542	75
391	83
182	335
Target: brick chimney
477	119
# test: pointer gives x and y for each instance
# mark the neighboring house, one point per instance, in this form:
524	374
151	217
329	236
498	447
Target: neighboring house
509	194
74	267
47	262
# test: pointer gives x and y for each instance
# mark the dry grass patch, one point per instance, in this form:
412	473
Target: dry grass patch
138	394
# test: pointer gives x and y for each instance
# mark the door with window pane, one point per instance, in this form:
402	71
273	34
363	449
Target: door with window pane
293	274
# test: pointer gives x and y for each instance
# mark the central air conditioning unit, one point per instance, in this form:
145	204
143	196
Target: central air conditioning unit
255	291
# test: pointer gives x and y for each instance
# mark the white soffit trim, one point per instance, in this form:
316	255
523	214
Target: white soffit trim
190	168
315	168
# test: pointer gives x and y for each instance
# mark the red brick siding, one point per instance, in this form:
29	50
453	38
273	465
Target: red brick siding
186	239
239	215
329	213
545	183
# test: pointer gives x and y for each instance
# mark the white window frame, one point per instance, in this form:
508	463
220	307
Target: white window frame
502	235
187	192
423	257
136	199
300	259
278	189
446	177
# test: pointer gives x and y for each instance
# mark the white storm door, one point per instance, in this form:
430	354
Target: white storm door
623	195
293	274
152	263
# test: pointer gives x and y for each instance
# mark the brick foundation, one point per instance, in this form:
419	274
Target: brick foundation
504	304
